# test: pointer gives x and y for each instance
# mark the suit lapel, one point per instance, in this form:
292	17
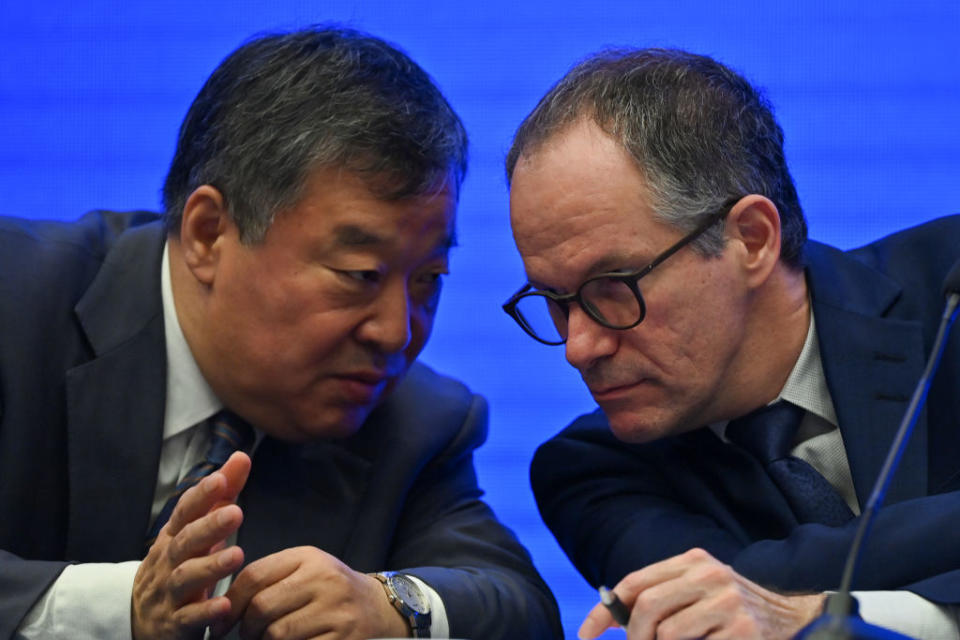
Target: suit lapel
115	403
871	363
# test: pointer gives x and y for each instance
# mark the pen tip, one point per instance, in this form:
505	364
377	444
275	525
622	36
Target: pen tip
606	597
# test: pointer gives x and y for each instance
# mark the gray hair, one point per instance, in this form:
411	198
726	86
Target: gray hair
285	104
699	132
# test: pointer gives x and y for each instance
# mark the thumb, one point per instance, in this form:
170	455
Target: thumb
596	622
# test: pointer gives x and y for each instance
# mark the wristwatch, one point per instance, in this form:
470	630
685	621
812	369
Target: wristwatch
404	594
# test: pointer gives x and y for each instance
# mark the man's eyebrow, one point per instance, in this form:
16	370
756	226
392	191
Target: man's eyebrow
349	235
612	263
606	264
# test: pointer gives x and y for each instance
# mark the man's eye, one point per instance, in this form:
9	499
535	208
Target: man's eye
429	284
433	278
364	276
427	289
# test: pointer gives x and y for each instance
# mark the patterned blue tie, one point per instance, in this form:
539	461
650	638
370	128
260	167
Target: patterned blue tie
229	433
768	434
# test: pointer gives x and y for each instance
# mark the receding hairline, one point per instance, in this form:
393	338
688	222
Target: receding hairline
583	112
586	115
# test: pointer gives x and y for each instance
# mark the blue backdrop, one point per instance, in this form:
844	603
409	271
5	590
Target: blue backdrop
92	94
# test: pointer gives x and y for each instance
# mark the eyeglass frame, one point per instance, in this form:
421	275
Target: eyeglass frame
630	278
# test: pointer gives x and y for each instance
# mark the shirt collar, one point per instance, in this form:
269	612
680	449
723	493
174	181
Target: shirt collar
190	400
806	386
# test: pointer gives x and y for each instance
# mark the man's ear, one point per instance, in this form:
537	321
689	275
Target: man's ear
203	226
755	222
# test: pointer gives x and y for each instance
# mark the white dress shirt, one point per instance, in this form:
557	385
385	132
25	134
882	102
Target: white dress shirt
91	601
819	442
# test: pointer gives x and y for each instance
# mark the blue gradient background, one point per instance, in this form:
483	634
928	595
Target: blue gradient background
868	93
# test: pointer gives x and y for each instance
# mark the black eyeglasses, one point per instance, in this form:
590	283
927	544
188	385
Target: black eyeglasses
612	300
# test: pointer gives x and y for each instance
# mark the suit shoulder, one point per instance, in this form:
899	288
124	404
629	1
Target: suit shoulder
46	265
898	276
926	250
60	248
93	233
434	405
423	383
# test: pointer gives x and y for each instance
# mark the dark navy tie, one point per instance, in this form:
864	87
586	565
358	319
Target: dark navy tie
229	433
768	434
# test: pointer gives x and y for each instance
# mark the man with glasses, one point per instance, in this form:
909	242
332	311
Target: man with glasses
749	381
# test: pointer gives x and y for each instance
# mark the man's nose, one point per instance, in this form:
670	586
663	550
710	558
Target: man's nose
388	325
587	340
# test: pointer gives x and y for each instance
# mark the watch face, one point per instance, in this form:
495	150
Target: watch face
410	594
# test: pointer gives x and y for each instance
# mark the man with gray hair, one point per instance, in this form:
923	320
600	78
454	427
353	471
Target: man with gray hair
749	381
230	392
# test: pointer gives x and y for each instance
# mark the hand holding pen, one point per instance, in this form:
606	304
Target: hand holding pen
695	595
614	605
609	613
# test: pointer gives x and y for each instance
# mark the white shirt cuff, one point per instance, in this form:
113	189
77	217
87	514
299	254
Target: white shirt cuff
908	613
439	627
87	602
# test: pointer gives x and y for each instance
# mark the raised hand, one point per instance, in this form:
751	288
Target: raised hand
172	586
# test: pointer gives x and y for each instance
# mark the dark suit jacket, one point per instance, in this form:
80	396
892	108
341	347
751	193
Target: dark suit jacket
82	390
615	508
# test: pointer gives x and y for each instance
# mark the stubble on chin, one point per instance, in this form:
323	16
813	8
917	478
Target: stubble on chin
631	430
647	422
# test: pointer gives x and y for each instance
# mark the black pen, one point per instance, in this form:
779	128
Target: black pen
616	608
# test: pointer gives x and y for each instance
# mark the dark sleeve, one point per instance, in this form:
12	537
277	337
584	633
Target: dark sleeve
615	509
45	266
22	583
487	581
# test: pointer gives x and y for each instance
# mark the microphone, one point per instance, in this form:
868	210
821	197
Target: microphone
951	284
840	620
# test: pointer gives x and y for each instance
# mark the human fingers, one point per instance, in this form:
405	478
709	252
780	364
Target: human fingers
168	550
638	581
659	604
152	584
221	487
323	597
645	594
307	623
284	610
715	617
254	578
169	601
711	600
746	610
716	603
597	621
236	471
197	575
197	615
198	537
197	501
304	592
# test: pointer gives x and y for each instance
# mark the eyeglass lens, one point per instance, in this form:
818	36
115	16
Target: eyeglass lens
609	300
